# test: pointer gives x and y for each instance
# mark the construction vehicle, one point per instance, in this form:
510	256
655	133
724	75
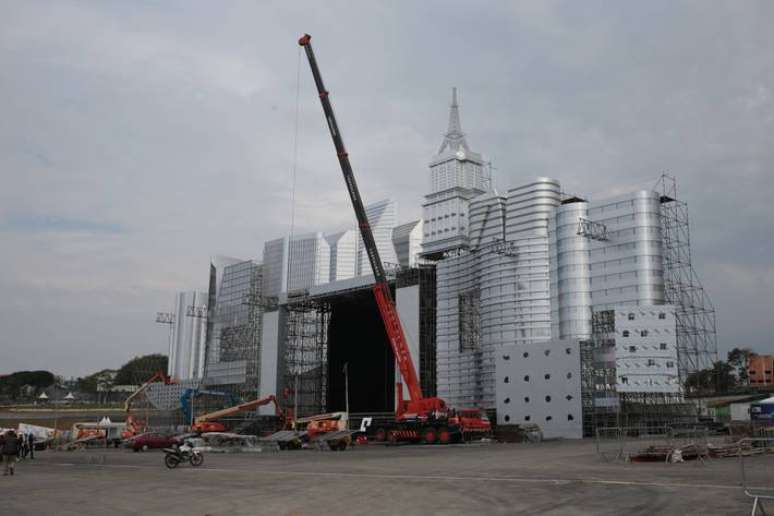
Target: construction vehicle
187	402
134	425
330	430
418	418
208	422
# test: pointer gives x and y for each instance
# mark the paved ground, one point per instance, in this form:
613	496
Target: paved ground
547	478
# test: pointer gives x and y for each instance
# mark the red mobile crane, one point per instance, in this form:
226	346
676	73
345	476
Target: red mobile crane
419	417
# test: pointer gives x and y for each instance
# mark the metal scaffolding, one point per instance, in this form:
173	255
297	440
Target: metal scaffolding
697	346
424	275
599	398
305	371
233	357
603	405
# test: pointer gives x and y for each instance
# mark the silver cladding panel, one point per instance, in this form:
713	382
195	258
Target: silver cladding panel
486	219
407	240
570	274
529	207
269	349
310	257
539	383
343	248
382	217
186	357
275	272
457	371
627	269
514	308
407	303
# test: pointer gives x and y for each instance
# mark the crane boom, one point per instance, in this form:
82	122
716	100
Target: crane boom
230	411
380	288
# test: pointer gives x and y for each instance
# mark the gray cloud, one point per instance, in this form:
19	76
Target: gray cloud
173	122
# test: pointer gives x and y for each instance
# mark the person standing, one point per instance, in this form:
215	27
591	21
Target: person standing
10	450
31	445
23	443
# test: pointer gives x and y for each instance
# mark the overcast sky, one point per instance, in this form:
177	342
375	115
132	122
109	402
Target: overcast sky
139	138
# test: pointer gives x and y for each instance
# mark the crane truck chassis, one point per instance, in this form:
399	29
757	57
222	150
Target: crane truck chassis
419	418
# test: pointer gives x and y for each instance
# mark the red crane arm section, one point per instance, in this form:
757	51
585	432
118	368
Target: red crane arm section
381	289
397	339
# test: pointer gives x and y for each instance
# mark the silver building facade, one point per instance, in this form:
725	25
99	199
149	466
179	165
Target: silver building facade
188	345
457	175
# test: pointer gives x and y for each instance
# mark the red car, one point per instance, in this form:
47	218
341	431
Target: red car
151	440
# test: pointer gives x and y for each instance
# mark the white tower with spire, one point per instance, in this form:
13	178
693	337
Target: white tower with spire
457	175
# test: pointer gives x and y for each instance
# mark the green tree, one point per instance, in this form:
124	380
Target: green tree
139	369
737	359
12	384
719	378
101	379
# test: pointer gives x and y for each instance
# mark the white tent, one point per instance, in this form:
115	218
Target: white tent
69	396
767	401
43	396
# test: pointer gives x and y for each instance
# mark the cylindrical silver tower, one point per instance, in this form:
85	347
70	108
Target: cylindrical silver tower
573	289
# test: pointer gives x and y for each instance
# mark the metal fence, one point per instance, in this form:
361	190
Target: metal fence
623	442
755	466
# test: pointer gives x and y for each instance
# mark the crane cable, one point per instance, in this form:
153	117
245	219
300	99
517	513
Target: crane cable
293	171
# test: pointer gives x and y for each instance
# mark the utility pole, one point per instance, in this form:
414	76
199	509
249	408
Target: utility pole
295	399
168	318
346	390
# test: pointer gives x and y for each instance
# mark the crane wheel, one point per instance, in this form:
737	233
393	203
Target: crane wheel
444	436
392	437
380	435
429	435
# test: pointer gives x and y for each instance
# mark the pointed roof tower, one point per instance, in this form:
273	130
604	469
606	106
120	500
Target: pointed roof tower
454	138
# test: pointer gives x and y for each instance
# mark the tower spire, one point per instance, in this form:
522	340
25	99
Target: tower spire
454	138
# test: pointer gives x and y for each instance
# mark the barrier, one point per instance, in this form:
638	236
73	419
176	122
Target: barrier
651	443
619	442
755	468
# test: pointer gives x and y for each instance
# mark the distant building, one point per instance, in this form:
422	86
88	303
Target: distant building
760	369
407	241
275	266
297	263
310	257
382	217
344	257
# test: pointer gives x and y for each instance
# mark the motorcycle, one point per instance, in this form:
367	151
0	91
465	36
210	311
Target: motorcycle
185	452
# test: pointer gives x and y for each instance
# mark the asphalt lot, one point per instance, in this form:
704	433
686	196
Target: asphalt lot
548	478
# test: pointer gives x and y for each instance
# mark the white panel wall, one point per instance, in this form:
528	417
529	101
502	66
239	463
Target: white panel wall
646	349
407	302
269	347
540	383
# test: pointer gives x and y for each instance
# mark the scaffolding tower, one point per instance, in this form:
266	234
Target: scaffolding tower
604	405
599	398
424	276
305	371
696	334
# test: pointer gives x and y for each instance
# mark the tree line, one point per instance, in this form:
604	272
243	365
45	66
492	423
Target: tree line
24	384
